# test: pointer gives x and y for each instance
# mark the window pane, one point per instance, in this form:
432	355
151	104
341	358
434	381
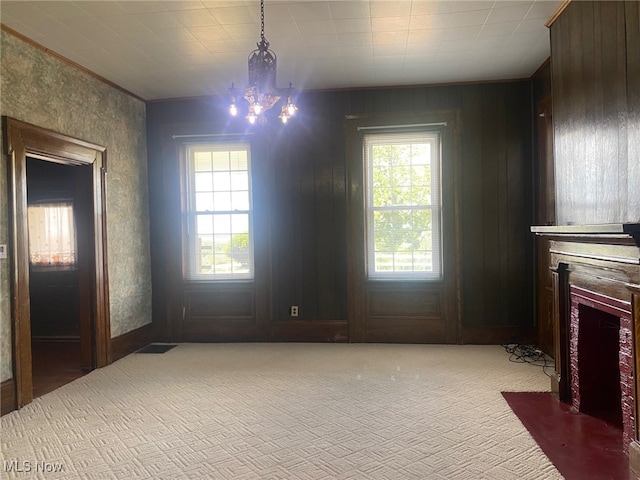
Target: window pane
221	161
204	224
204	201
239	181
221	181
204	182
222	223
240	201
202	161
222	201
238	160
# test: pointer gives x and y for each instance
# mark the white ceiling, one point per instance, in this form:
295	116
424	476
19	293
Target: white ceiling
169	49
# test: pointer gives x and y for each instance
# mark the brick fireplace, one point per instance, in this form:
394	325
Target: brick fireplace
596	316
601	359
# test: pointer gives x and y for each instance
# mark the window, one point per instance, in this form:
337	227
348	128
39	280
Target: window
219	226
403	205
52	236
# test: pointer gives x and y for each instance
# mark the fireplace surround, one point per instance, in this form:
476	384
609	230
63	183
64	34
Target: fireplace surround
596	322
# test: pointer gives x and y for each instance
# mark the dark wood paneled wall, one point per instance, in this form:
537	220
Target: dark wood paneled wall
304	210
594	58
544	199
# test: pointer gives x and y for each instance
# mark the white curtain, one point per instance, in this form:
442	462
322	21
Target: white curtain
52	236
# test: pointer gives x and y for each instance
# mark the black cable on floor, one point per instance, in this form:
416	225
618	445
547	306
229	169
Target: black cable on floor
531	354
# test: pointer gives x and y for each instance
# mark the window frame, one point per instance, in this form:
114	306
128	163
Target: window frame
404	133
190	267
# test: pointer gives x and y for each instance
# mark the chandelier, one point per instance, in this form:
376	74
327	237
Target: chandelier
262	92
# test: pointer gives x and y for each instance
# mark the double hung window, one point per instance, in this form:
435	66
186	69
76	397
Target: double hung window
219	237
403	205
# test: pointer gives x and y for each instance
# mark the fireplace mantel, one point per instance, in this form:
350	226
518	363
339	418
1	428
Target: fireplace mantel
606	232
605	260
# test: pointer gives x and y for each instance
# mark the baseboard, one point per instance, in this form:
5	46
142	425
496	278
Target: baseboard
634	459
127	343
307	331
498	335
8	396
35	338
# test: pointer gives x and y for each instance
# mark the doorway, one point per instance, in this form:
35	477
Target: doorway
81	168
56	220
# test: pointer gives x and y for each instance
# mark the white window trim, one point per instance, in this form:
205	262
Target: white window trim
191	258
437	273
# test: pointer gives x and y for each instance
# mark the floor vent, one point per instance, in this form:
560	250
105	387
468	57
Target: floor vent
156	348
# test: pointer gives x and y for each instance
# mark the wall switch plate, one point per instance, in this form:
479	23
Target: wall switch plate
3	251
294	310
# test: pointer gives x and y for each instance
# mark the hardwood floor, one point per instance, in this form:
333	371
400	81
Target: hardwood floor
55	363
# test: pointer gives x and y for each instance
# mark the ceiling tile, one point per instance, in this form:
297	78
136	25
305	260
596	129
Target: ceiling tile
315	27
62	10
123	23
426	36
100	9
508	14
383	8
498	29
352	25
349	10
390	24
301	11
143	7
172	5
360	51
195	17
390	38
461	33
389	50
354	39
210	33
420	22
465	19
234	15
157	21
320	42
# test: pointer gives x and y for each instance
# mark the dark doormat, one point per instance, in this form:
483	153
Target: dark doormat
580	446
156	348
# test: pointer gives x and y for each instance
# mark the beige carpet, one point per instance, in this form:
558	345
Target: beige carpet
284	411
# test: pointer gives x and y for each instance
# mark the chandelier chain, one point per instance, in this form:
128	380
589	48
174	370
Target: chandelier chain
262	19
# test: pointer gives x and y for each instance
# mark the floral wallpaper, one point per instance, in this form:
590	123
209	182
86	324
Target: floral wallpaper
40	89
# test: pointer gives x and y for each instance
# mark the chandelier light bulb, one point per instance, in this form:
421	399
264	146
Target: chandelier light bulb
257	109
291	109
252	118
233	109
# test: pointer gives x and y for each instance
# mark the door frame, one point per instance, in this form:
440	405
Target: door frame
24	140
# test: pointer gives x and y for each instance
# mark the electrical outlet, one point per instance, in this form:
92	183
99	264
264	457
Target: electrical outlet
294	310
